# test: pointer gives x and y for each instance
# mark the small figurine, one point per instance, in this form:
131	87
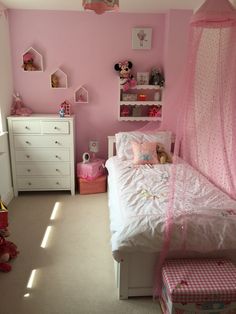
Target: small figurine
156	77
62	111
154	111
125	111
65	110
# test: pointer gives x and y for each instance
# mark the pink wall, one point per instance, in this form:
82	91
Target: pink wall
175	56
86	46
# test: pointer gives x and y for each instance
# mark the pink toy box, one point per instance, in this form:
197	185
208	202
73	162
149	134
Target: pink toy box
91	170
198	286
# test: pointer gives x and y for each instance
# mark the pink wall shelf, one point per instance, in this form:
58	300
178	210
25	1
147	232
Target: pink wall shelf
37	60
58	79
81	95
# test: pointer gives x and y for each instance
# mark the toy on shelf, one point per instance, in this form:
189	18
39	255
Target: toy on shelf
18	108
58	79
54	81
126	78
28	62
136	111
156	77
32	60
62	111
154	111
124	111
81	95
142	97
65	109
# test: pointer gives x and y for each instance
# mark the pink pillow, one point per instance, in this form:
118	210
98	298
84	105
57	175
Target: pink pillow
145	153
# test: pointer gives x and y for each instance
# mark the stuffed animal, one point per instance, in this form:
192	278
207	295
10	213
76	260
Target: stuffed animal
126	78
162	155
156	77
18	108
54	81
8	251
28	62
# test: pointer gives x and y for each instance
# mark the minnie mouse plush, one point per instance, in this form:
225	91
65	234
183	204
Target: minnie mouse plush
126	78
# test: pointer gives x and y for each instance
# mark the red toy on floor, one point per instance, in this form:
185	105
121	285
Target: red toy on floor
8	250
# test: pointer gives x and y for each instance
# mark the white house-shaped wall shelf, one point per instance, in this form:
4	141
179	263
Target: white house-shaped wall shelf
32	60
58	79
81	95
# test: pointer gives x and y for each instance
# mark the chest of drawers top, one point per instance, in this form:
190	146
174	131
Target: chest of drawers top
41	124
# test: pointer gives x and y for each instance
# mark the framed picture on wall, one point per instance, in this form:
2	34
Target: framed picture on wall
142	78
141	38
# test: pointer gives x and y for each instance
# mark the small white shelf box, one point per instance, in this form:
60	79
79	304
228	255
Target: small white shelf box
61	77
37	57
140	110
81	95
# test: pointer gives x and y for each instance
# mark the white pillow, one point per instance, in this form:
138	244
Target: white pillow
124	139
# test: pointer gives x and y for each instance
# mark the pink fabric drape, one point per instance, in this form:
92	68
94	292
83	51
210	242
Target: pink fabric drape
206	133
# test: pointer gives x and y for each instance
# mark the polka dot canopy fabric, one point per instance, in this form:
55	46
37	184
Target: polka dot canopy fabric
206	133
209	112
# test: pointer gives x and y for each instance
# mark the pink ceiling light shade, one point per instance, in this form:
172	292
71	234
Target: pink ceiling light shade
101	6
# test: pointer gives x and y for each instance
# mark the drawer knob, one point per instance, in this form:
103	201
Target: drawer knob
55	128
57	157
27	156
26	127
27	142
28	170
57	183
29	183
57	170
56	142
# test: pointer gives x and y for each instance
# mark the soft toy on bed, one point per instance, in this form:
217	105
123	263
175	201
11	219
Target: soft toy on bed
162	155
126	78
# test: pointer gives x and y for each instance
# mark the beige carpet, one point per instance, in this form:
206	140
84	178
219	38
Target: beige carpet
74	272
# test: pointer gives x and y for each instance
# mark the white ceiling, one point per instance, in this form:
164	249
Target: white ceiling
146	6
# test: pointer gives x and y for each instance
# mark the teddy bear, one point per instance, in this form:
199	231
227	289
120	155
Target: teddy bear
28	62
156	77
162	155
126	78
54	81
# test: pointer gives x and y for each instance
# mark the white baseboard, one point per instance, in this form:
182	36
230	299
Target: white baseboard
8	197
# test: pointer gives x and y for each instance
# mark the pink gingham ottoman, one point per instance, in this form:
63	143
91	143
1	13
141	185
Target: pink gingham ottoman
198	286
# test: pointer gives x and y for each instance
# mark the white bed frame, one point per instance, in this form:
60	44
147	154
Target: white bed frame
135	274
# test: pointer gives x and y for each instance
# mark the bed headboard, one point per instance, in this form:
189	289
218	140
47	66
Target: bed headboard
112	145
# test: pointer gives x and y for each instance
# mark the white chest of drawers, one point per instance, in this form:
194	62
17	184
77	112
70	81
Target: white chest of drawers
42	153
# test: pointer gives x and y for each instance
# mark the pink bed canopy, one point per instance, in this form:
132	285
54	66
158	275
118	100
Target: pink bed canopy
206	132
